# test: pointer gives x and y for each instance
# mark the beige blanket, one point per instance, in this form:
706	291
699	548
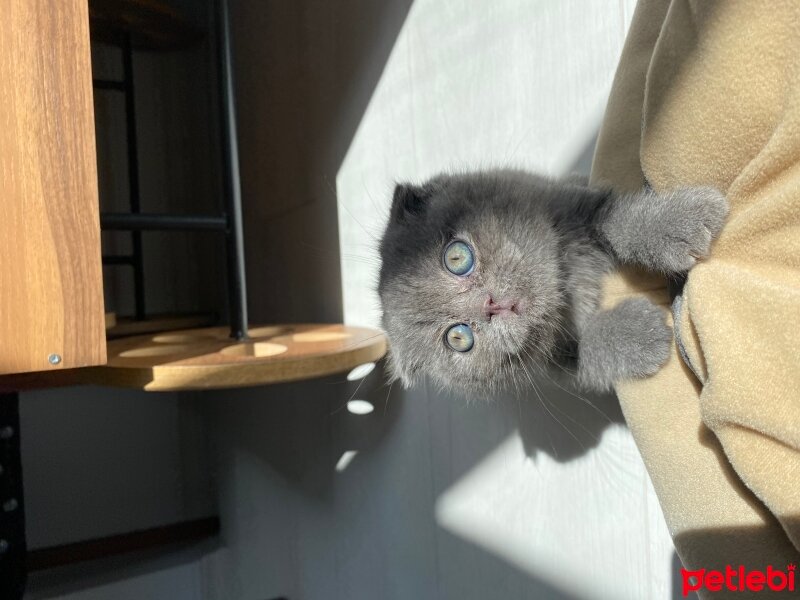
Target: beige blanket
708	92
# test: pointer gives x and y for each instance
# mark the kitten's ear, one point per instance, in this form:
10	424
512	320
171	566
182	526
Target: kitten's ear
409	200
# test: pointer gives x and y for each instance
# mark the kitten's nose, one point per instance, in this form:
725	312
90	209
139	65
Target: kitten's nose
503	308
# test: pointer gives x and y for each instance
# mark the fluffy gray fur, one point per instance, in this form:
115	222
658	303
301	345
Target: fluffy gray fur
541	246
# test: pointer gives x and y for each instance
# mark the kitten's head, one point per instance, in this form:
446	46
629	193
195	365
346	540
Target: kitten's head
469	280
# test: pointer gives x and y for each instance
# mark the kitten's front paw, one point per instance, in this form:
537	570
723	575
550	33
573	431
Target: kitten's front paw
643	338
688	220
630	341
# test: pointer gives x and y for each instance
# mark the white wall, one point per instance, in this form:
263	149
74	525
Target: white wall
522	84
441	499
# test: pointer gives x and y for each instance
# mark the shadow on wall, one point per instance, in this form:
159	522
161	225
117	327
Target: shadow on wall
378	474
358	493
307	434
304	431
565	424
305	72
521	585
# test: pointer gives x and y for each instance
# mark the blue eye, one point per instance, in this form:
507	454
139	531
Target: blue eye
458	258
459	338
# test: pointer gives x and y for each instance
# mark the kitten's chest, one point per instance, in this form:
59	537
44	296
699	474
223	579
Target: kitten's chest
584	265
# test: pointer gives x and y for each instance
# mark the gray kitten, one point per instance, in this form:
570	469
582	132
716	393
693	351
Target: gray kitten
487	275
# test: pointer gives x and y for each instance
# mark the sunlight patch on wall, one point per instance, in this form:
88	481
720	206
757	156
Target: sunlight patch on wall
345	459
548	518
524	85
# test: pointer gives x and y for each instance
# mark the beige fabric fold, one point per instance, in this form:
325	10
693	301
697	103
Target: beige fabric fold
708	92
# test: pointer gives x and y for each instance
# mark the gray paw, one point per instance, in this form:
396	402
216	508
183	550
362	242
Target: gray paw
643	337
630	341
688	220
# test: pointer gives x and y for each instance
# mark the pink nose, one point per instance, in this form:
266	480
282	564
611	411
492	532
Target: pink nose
502	307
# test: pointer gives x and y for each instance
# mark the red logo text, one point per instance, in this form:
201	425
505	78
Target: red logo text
739	580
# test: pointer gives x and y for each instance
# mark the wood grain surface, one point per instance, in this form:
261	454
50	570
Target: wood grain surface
209	359
51	294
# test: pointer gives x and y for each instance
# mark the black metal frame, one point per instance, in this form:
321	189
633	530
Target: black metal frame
230	222
13	548
126	86
161	222
237	286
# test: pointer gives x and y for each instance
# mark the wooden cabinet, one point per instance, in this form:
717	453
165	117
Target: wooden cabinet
51	291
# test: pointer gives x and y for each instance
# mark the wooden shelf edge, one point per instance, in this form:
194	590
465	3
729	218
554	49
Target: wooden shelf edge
203	359
208	368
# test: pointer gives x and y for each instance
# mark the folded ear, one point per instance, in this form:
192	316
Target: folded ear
409	200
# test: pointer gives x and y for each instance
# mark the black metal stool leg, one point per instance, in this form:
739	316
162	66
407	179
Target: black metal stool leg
13	574
237	287
133	174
